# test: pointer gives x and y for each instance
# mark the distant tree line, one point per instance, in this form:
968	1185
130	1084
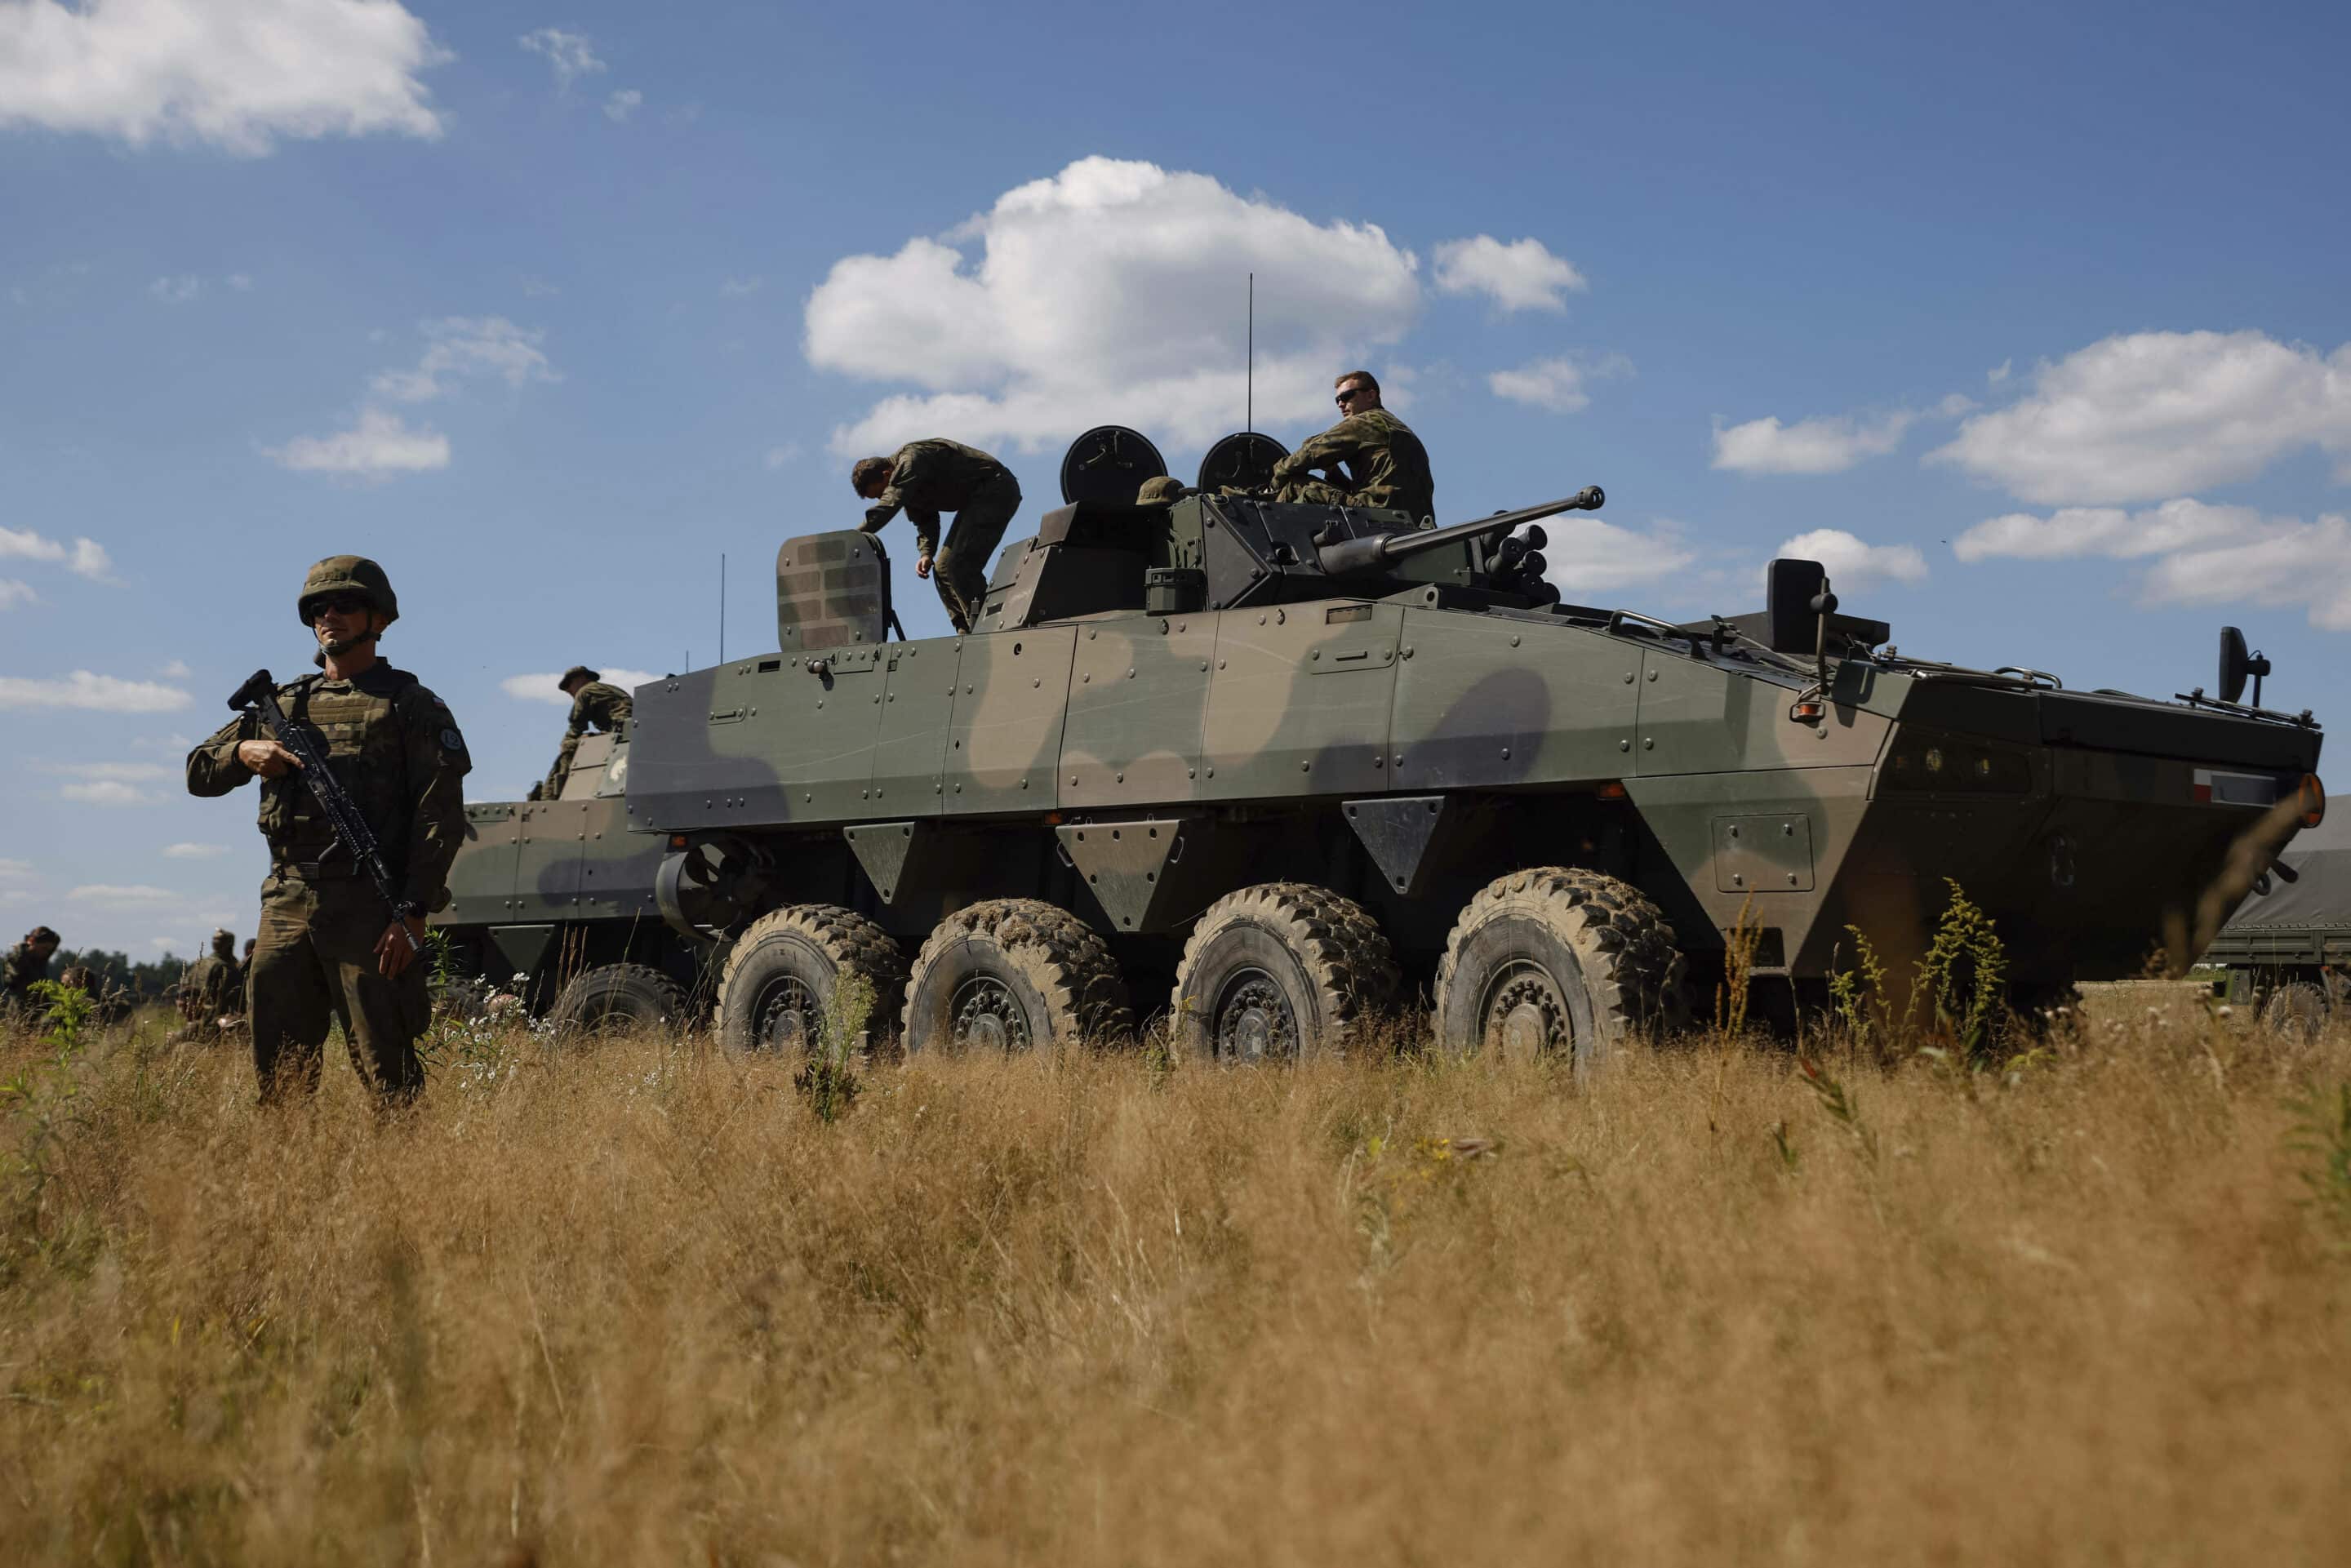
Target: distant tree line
146	982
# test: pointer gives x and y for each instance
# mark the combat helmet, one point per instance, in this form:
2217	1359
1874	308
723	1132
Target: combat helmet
352	573
576	673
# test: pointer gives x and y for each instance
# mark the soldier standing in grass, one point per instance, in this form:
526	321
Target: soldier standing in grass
925	478
28	964
327	951
1370	458
208	991
595	704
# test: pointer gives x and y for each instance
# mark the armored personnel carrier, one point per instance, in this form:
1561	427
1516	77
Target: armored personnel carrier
1271	769
554	898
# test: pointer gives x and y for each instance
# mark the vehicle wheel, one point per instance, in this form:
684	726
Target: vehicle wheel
617	998
1279	971
2296	1011
1014	975
782	973
1557	961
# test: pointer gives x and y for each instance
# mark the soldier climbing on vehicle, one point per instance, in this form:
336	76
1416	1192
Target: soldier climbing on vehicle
595	704
925	478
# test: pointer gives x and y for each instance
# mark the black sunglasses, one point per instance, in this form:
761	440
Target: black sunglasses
1350	395
340	604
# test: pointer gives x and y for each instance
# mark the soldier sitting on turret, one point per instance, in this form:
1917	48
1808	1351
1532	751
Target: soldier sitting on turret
1370	458
594	705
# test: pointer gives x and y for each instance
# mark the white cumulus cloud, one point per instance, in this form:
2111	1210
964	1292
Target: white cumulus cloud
2202	554
15	591
569	55
378	444
623	104
2306	566
538	688
1854	564
2111	531
83	558
1110	292
1557	385
175	290
91	692
105	793
1523	274
1822	445
1588	555
1825	443
193	851
459	348
121	896
235	74
2145	415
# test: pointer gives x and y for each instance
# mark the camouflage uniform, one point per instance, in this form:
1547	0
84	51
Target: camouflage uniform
395	748
1159	492
599	705
24	966
210	988
108	1004
927	477
1385	465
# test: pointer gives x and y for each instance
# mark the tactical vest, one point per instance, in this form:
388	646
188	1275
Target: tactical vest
360	730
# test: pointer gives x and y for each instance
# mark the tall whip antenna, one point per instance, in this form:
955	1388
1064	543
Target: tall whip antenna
722	607
1248	414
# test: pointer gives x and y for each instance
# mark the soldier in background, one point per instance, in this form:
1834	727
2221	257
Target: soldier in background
208	990
925	478
328	949
111	1005
1368	459
594	706
245	976
28	964
1160	491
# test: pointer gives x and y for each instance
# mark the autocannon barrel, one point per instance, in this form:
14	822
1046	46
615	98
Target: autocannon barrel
1369	555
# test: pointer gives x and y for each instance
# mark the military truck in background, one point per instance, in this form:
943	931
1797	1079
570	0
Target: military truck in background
1269	769
2287	948
554	901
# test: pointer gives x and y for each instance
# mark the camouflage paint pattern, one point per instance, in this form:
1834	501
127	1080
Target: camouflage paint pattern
1256	737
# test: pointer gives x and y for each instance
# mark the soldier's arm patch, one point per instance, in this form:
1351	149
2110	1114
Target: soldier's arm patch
451	740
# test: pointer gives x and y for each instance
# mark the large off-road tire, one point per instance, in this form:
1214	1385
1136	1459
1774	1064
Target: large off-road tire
778	987
1278	972
2296	1011
1015	975
1556	961
617	998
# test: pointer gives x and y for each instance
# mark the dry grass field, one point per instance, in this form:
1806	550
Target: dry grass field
638	1305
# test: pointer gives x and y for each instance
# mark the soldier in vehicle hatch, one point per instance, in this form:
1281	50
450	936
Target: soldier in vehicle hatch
328	949
925	478
1368	459
594	706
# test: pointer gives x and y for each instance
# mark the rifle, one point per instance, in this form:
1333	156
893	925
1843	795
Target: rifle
259	696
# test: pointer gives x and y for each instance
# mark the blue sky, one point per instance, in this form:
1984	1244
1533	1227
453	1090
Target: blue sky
2033	324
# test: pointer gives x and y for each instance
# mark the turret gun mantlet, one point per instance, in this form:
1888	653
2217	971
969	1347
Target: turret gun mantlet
1340	557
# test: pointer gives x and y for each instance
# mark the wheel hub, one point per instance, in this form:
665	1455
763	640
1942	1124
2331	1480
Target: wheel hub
1526	1017
1254	1020
988	1016
790	1018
